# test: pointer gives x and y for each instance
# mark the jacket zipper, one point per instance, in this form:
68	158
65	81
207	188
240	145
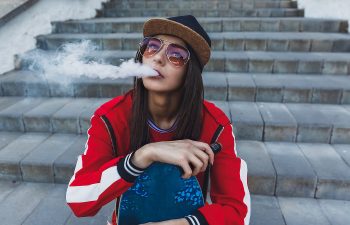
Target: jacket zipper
215	137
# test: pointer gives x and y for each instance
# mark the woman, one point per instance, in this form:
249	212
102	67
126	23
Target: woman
163	119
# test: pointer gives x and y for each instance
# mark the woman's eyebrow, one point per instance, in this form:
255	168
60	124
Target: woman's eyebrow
171	42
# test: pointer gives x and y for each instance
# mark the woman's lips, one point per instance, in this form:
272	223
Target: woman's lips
159	74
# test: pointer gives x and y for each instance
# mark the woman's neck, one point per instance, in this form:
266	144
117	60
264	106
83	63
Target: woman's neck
163	108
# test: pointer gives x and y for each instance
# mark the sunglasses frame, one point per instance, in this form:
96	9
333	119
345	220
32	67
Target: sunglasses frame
161	46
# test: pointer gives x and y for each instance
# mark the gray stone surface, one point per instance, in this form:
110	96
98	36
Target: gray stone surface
37	165
238	41
336	211
268	88
236	61
6	102
24	83
295	176
104	215
45	203
210	24
39	118
65	164
265	210
7	137
332	172
84	87
23	200
312	126
261	173
114	87
274	12
247	121
53	209
298	88
13	153
294	211
216	87
11	117
67	118
279	124
241	88
340	118
344	151
6	188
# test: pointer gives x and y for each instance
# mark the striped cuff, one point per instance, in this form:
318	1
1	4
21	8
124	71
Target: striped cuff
196	219
127	170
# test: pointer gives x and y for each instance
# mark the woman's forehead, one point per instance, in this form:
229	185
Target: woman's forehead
171	38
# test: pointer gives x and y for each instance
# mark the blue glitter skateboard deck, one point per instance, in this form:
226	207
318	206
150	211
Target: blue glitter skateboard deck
158	194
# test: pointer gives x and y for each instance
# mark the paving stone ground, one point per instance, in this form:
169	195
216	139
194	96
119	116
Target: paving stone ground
45	204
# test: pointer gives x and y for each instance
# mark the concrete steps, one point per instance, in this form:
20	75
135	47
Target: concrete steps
213	5
224	86
228	41
282	79
46	204
210	24
262	121
228	61
275	168
260	12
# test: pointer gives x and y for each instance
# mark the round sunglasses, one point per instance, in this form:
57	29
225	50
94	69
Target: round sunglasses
176	54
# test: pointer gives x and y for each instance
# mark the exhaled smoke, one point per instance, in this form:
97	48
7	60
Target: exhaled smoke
73	60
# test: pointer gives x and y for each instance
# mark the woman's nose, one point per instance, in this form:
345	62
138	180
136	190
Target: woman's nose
160	57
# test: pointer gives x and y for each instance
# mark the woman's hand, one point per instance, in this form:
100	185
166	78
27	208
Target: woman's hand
181	221
183	153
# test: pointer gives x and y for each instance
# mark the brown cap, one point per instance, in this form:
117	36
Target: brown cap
184	27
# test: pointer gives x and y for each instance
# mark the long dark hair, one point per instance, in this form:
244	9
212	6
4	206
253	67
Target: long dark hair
189	119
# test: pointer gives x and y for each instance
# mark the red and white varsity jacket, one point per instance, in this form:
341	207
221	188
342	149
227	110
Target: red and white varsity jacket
100	177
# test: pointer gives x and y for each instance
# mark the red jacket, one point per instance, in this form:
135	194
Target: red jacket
100	177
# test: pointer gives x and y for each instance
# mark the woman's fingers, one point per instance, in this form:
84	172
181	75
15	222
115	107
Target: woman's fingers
197	164
186	169
204	147
204	158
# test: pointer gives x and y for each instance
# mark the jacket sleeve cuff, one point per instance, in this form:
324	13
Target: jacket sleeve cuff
196	218
127	170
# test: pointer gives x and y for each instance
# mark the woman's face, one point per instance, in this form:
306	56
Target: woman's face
173	76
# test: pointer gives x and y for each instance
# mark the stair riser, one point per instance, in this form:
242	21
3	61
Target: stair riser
261	185
245	65
204	13
227	44
268	176
222	89
214	5
251	123
275	25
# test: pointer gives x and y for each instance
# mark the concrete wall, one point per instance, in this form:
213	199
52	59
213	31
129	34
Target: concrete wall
17	36
335	9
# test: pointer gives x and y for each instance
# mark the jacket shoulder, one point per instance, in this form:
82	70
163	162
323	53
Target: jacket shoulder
216	113
113	104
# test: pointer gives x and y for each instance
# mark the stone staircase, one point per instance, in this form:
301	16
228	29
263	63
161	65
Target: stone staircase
283	79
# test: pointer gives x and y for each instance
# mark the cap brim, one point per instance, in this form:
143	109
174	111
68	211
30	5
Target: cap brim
156	26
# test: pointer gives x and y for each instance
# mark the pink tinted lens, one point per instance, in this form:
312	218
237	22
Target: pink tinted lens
151	46
177	54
